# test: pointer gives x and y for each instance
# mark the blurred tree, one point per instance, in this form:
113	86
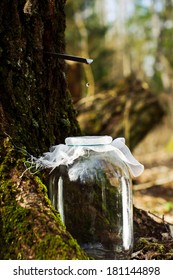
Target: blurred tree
136	40
85	35
150	29
163	60
132	110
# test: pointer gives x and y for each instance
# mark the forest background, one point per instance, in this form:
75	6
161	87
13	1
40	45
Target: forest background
133	40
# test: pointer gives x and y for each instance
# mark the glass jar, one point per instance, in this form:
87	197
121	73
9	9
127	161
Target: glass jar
91	189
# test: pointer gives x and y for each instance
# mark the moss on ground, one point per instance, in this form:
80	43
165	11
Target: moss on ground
153	249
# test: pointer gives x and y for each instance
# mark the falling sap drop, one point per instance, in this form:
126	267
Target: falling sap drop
89	61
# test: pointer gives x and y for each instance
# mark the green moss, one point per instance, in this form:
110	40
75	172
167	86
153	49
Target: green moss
30	231
148	245
14	224
20	220
41	186
14	229
68	249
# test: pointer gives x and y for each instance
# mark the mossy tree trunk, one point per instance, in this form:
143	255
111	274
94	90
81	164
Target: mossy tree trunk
35	109
35	112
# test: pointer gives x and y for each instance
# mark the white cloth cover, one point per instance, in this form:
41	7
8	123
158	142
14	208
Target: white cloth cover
77	146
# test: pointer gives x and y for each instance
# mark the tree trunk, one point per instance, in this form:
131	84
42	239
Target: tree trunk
36	108
35	112
29	226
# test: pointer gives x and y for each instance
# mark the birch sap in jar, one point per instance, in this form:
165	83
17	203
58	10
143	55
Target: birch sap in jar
91	188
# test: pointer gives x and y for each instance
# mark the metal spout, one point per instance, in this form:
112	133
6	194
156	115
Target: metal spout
72	57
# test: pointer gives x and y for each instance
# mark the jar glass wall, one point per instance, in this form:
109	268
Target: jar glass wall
94	198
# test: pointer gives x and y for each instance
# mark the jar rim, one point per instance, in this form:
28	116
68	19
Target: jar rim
88	140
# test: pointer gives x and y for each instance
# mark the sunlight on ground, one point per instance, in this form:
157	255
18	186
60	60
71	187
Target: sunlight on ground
153	190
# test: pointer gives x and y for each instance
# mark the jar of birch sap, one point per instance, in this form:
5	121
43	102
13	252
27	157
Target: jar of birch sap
90	186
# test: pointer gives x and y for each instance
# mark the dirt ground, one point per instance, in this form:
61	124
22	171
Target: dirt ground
153	190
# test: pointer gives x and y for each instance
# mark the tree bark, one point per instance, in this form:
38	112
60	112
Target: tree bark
35	112
30	228
36	108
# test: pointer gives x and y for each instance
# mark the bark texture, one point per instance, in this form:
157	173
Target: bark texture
29	226
35	107
35	112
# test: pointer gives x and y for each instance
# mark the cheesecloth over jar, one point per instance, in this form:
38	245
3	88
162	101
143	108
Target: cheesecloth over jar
76	146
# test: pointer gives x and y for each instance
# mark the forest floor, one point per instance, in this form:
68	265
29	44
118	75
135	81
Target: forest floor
153	190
